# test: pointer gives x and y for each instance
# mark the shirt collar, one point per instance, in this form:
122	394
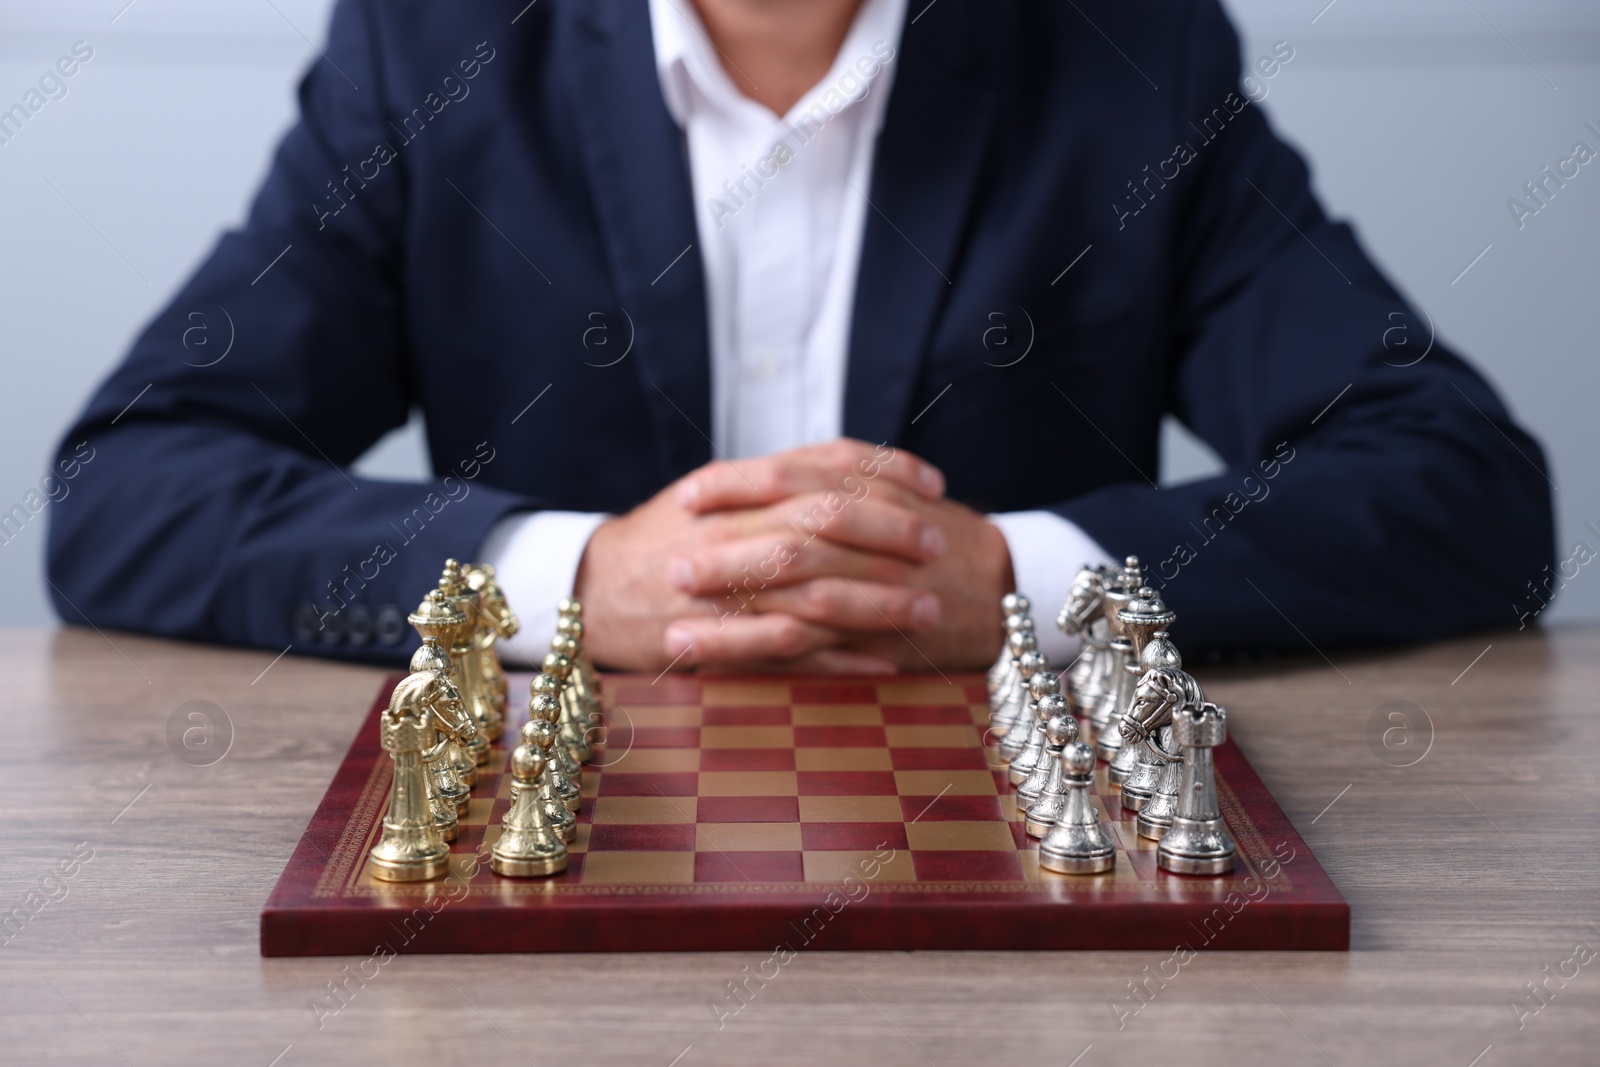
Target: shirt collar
686	61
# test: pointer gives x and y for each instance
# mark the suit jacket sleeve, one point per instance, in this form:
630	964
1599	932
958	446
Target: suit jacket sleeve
217	504
1372	492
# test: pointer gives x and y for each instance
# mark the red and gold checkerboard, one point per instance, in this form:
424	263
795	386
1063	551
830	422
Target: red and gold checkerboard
744	813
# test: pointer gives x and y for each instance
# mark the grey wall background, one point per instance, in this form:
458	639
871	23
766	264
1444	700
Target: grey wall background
1420	120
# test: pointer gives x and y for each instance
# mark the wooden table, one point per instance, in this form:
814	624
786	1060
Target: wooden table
1469	873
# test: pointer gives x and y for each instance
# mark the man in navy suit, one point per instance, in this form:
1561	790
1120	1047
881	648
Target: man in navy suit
792	333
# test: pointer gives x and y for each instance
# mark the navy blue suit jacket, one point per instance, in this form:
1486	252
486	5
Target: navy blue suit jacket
466	200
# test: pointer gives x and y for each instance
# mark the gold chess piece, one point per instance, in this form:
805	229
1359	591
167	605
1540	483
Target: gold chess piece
544	702
573	730
528	846
461	643
587	704
436	619
562	784
444	758
546	738
571	626
411	848
495	621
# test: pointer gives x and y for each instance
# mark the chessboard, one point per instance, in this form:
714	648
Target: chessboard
747	813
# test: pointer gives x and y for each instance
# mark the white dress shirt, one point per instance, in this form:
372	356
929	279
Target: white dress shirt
780	212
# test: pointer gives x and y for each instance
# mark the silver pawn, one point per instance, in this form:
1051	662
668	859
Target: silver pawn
1013	606
1013	694
1028	790
1060	731
1077	843
1198	841
1045	682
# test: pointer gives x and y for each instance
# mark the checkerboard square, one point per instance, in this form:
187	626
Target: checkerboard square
931	736
747	759
653	784
950	783
954	807
836	692
747	837
839	737
957	866
631	810
842	759
922	692
624	868
928	715
743	691
746	715
747	737
674	689
939	759
837	715
748	867
644	837
749	809
747	783
619	757
927	836
828	836
655	716
846	783
666	737
849	809
836	866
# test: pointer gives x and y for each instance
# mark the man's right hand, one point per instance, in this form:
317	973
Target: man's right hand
644	570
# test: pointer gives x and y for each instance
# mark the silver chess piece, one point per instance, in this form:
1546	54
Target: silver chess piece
997	695
1144	617
1118	698
1051	800
1156	815
1083	617
1044	684
1015	717
1077	843
1038	751
1162	688
1198	842
1013	606
1005	705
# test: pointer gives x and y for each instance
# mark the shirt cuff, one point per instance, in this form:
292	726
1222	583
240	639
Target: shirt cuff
1047	552
535	556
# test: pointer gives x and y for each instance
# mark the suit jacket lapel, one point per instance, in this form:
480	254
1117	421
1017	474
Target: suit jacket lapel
924	174
639	175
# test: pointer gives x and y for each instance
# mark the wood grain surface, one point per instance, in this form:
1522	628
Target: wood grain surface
1470	873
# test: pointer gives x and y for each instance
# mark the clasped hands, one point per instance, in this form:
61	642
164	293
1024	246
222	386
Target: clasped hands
842	557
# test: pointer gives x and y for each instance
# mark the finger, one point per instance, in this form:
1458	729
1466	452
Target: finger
843	466
743	640
753	564
848	605
868	524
